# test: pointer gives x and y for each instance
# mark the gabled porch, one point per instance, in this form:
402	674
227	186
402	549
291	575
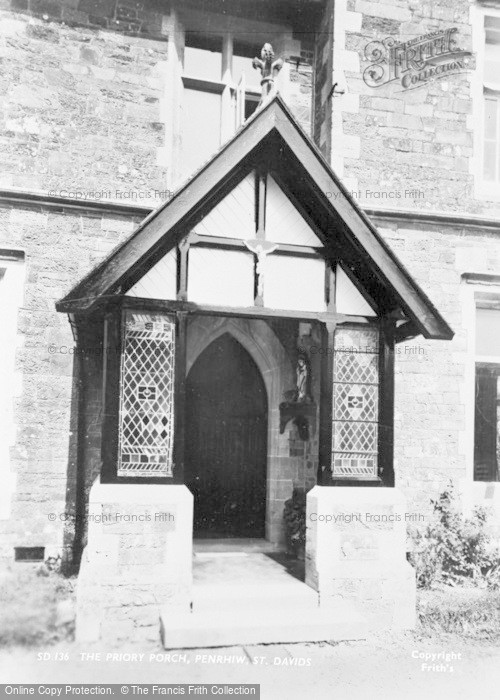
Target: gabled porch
248	330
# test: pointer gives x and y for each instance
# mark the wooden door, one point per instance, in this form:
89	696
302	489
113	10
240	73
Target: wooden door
226	442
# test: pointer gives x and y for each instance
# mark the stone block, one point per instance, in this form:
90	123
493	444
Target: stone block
134	561
387	104
385	11
98	8
356	554
420	110
46	7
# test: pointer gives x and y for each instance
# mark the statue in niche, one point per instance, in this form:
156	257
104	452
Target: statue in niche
303	390
298	405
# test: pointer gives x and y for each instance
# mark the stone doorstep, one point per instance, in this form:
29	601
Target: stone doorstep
234	598
253	599
235	545
221	628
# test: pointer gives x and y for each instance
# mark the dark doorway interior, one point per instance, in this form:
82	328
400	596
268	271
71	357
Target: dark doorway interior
226	442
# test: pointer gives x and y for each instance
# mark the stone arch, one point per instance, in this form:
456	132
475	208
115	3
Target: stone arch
274	364
258	339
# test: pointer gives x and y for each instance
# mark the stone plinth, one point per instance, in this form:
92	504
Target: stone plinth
138	558
356	554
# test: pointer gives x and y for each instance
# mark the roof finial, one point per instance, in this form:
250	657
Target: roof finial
269	69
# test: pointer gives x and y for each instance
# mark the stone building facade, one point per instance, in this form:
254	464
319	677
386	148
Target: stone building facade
93	138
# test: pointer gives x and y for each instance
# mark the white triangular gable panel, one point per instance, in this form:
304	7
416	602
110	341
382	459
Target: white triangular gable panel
284	224
159	282
348	300
234	216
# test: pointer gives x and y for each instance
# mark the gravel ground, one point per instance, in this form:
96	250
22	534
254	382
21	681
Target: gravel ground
385	666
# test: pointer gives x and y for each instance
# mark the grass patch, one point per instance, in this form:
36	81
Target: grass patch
37	606
469	612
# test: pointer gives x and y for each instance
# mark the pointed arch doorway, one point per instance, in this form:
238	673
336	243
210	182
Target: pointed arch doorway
226	442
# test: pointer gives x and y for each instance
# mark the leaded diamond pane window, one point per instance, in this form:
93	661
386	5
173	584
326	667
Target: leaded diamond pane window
355	403
147	395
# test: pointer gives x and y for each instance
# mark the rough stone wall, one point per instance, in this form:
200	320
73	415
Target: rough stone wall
404	148
81	106
299	91
61	246
88	97
434	418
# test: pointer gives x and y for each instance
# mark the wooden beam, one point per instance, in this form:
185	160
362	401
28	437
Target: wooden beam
405	332
183	249
197	239
261	204
214	86
330	289
180	397
111	394
247	312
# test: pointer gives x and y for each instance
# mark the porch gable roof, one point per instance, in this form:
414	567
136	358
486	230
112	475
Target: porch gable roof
273	138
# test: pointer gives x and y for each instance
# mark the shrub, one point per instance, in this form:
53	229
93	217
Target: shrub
469	612
295	521
454	549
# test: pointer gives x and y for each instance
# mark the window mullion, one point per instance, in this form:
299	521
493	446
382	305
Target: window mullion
227	58
227	107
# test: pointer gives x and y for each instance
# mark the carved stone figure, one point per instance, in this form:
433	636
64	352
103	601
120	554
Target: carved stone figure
298	404
302	372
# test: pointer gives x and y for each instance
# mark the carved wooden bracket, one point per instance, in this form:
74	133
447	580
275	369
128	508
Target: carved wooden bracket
303	416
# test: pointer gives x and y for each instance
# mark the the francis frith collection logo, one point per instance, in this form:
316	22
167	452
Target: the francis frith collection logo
415	62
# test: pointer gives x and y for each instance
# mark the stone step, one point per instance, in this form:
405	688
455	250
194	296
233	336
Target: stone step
221	628
235	545
288	594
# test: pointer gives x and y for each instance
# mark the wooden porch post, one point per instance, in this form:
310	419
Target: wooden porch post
180	397
386	402
326	405
112	349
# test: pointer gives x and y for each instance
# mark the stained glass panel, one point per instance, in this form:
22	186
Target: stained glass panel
355	404
147	395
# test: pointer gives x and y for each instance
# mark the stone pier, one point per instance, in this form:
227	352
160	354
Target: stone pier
138	558
356	555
